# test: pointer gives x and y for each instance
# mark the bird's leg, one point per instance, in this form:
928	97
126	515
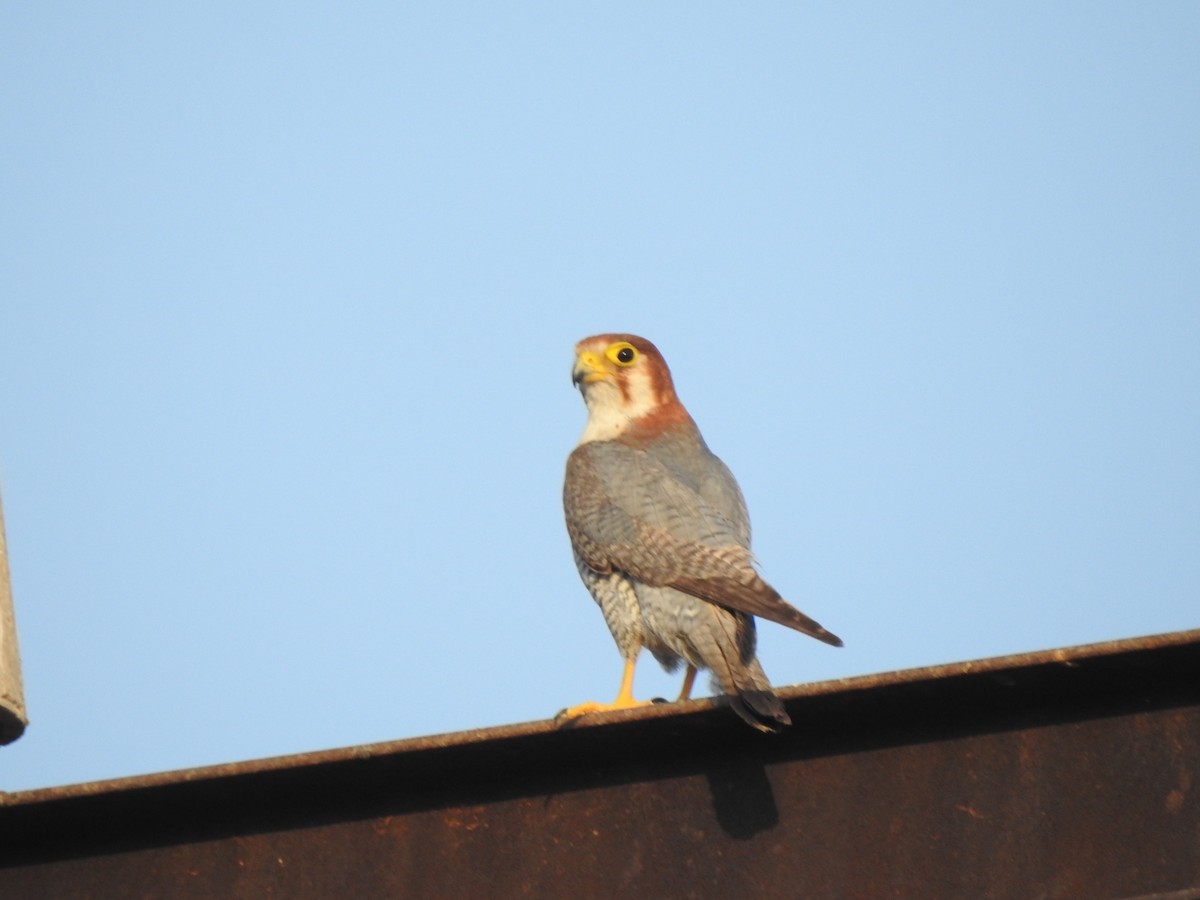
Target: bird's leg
625	694
624	697
689	678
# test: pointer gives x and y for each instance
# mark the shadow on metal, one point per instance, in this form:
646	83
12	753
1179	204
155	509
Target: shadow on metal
1068	773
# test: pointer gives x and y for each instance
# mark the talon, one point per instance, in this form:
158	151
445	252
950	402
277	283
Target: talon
624	698
584	709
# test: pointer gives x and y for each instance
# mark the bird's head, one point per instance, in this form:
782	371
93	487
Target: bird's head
627	387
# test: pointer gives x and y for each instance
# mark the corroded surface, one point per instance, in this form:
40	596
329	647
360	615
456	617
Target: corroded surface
1069	773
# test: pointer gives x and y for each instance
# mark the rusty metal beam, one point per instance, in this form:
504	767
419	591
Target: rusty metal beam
1064	774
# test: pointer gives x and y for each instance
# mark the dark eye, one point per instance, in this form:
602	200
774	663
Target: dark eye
622	353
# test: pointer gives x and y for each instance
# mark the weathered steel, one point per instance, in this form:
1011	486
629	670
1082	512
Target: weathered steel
1066	774
12	693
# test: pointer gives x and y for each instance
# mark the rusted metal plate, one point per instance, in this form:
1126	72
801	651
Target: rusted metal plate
1058	775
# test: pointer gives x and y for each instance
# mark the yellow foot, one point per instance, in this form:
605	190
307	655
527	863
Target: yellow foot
583	709
624	697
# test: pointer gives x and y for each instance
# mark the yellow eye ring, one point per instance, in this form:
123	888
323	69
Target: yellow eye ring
622	353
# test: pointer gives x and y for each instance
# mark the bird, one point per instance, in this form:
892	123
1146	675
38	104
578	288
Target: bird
661	536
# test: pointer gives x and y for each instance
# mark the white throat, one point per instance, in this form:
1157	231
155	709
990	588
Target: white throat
609	414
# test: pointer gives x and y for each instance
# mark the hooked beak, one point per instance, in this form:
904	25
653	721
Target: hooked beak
589	368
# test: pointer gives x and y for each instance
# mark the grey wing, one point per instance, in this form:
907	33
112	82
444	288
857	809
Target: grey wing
671	520
597	525
720	490
657	516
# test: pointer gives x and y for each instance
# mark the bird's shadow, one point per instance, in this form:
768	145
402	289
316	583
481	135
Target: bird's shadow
742	798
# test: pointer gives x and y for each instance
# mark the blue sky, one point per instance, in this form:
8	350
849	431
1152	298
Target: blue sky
290	293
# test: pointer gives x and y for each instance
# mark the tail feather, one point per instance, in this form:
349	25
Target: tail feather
742	678
760	709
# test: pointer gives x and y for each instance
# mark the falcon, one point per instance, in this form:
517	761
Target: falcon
661	536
